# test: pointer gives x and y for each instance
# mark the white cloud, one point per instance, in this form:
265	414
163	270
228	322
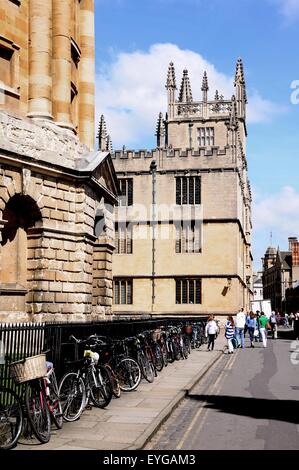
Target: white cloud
289	8
278	212
275	214
131	91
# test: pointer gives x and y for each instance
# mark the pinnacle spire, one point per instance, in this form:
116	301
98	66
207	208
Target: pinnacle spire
160	131
233	114
171	82
239	77
185	90
109	146
102	133
205	85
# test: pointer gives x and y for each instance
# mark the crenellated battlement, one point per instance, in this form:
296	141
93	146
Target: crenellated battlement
171	153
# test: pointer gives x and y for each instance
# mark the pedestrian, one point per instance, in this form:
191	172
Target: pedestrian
273	324
240	325
296	326
286	320
259	336
211	330
292	318
251	326
247	316
264	326
230	333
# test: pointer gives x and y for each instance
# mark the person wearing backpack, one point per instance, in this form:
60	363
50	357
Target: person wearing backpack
230	333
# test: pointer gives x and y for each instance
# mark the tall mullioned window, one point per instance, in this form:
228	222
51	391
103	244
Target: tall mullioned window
123	239
188	190
123	291
126	192
188	239
205	136
188	291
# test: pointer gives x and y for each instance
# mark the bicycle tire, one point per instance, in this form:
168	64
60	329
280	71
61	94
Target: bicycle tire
114	381
165	355
159	362
146	367
72	393
128	373
101	392
10	413
54	402
170	353
37	411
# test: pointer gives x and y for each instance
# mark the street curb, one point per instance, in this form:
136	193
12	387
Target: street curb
142	440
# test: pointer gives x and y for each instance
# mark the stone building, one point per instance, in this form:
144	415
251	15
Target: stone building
281	276
183	223
56	192
258	286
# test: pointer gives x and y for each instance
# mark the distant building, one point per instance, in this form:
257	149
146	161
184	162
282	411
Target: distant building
258	286
183	225
281	275
55	255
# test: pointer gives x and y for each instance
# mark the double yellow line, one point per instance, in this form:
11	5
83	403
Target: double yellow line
212	390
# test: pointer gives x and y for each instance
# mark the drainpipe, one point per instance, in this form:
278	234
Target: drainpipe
153	170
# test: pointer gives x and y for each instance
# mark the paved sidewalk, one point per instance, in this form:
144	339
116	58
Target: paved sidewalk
128	422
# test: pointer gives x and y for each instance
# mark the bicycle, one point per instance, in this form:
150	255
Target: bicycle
90	383
11	418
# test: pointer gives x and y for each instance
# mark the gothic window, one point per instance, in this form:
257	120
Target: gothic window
188	189
188	291
123	291
126	192
123	239
205	136
188	237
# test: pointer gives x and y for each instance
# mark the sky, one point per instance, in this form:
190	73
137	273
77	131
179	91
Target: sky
135	41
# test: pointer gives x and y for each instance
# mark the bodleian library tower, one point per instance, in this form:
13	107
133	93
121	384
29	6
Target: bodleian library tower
183	222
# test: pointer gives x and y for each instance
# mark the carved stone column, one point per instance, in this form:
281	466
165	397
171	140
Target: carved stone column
40	56
62	17
86	73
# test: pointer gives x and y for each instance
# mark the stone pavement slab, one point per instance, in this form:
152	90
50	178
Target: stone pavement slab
128	422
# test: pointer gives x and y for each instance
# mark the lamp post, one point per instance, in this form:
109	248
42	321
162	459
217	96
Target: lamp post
153	170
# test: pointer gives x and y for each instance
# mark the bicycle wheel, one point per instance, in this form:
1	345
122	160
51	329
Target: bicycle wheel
100	387
146	367
164	354
54	402
170	352
114	381
11	419
128	373
159	362
37	410
72	395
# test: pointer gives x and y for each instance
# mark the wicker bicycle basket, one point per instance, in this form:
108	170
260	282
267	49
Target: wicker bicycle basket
28	369
156	335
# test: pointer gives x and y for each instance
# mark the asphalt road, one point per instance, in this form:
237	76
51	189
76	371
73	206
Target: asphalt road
249	400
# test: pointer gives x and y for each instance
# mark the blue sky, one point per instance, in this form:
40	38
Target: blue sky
135	40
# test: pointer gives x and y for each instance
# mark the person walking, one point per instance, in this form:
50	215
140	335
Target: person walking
258	338
273	324
263	327
292	318
211	331
240	325
251	326
296	326
230	333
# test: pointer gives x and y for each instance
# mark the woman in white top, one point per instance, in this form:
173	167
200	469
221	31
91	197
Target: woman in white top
211	331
